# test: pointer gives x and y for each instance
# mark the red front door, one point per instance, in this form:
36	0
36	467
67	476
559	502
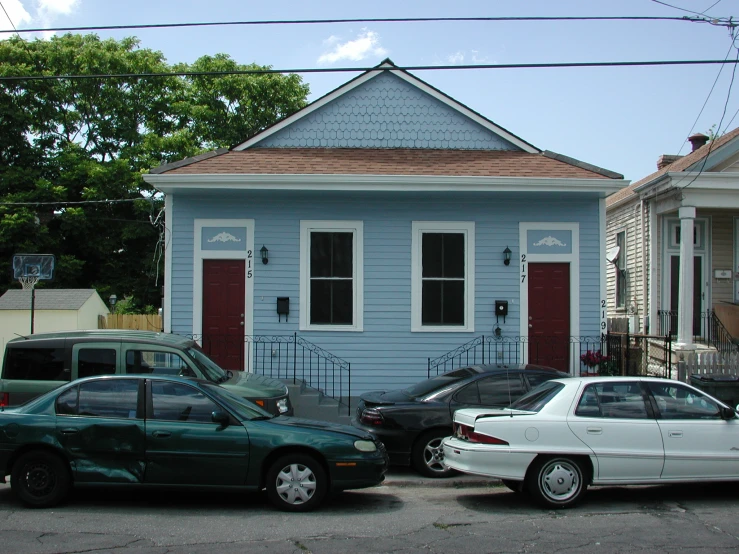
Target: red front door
223	312
549	315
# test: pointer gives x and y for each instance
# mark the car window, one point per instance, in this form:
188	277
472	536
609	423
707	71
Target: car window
178	402
112	398
536	379
240	406
676	401
440	381
468	394
95	361
35	364
500	390
622	400
66	403
211	370
158	363
535	400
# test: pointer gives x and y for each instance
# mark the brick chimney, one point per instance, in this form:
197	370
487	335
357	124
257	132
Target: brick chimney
698	140
666	159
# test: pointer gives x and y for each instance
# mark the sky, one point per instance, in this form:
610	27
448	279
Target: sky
619	118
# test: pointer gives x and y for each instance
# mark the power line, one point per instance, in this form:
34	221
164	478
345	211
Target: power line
363	69
70	203
698	18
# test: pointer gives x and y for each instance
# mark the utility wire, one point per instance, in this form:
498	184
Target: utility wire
8	78
699	18
65	203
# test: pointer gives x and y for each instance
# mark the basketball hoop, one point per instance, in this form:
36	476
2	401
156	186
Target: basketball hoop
28	282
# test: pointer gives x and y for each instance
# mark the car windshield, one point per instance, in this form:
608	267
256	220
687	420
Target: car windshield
240	406
536	399
211	369
445	379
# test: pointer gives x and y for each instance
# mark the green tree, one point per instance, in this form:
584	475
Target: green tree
64	141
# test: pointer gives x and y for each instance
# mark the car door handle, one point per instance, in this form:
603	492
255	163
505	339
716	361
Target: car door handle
594	431
675	434
69	431
161	434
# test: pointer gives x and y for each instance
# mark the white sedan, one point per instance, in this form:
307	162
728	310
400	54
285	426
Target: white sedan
569	433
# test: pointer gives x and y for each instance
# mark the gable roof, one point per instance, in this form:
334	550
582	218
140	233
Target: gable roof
387	66
46	299
685	163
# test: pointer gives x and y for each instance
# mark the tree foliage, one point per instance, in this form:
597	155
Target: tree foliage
64	141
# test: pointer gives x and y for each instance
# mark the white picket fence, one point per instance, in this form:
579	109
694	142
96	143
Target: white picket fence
705	363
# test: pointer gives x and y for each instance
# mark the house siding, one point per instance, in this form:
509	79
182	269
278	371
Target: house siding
628	218
722	253
386	112
386	353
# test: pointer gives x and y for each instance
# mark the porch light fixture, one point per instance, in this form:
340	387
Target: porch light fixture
263	251
112	300
507	256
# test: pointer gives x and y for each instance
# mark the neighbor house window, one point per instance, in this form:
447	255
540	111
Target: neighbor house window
331	255
621	270
443	276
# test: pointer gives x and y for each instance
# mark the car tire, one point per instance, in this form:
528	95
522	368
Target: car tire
556	482
427	456
296	483
515	486
40	479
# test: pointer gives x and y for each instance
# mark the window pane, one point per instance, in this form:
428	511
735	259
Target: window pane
160	363
453	255
66	403
35	364
432	254
678	402
500	390
468	395
431	303
343	255
176	402
331	302
320	254
453	302
95	361
109	398
621	401
331	254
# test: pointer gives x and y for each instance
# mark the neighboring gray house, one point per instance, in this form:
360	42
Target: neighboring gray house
659	283
380	216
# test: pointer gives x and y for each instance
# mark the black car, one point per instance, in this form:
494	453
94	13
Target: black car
413	421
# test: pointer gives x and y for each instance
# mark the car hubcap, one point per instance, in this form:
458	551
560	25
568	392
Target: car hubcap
560	481
433	455
39	479
296	484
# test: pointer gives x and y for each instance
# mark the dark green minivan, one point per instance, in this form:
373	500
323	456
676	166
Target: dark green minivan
41	362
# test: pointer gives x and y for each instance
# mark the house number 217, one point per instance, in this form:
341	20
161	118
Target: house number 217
523	267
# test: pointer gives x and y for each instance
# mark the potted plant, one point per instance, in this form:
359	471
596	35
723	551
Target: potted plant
592	359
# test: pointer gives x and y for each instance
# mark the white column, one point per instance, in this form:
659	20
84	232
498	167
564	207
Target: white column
685	291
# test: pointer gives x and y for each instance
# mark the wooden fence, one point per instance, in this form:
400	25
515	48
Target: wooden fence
706	363
138	322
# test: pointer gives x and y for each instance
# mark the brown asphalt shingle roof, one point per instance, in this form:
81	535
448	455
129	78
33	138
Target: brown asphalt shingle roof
679	165
390	161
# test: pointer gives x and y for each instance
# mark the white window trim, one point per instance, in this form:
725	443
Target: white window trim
468	229
357	229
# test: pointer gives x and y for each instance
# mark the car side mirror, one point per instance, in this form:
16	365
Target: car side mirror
727	413
220	418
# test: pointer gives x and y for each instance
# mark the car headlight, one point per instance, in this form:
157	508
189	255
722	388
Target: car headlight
365	446
282	405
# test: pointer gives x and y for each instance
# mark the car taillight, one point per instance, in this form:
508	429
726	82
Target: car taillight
371	416
465	432
4	400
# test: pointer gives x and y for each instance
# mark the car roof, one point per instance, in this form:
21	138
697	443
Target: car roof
572	381
485	368
149	376
92	335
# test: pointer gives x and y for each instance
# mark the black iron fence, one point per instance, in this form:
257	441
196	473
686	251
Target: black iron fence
707	329
720	338
288	357
608	354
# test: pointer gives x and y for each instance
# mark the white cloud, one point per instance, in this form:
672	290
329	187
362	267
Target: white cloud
17	14
54	7
43	13
457	57
365	45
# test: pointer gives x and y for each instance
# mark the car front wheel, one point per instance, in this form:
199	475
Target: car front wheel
40	479
428	454
557	482
296	483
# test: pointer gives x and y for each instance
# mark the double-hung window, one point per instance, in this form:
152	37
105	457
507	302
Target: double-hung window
442	291
331	284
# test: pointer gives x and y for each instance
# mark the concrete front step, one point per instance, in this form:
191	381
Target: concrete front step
313	404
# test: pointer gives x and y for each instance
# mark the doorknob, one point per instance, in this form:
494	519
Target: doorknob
241	323
531	318
531	326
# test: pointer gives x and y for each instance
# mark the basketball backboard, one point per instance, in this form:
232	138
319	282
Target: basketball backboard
39	266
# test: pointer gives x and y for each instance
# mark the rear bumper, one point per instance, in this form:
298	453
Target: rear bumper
486	460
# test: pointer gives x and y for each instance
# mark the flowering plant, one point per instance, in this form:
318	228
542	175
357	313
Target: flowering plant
593	358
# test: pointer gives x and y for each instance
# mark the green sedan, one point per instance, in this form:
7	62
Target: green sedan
155	431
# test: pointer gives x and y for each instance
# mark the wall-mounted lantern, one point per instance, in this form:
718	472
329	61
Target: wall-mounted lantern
112	300
507	256
264	252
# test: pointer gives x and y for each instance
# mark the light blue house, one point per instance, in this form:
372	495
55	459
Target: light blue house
369	232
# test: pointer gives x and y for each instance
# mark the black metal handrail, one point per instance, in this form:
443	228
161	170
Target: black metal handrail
702	323
289	357
720	338
509	350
